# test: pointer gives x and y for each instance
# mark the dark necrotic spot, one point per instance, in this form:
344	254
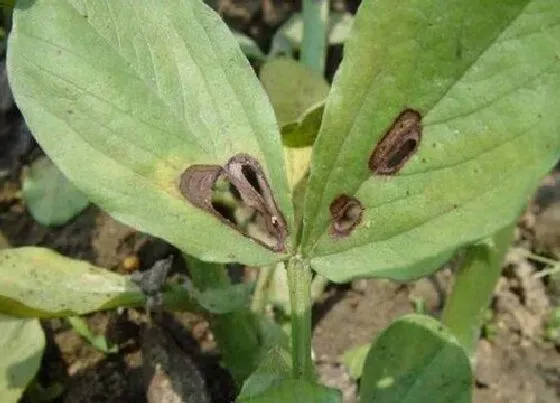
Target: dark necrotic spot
230	191
398	145
346	212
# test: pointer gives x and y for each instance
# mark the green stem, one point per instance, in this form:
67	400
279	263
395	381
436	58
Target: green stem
314	43
474	283
299	285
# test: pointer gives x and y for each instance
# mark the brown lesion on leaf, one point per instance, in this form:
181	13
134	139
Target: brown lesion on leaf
239	195
346	212
398	145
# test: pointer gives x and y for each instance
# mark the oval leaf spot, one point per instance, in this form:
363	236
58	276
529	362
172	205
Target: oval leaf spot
346	212
239	195
398	145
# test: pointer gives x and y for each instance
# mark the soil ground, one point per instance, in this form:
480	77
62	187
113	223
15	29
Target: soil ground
516	362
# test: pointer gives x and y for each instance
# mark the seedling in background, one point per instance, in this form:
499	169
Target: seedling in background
432	138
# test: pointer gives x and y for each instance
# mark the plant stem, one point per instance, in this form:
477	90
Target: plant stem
299	285
314	43
474	283
263	280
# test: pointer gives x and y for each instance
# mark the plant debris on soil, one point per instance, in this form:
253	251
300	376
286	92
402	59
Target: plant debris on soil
516	361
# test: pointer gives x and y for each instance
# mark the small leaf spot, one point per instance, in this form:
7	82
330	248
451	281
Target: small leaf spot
346	212
398	145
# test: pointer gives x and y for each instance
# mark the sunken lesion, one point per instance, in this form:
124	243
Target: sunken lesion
346	213
398	145
239	195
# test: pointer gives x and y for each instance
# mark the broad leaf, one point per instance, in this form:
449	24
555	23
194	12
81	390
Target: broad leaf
484	79
40	282
416	360
50	197
292	390
22	342
125	96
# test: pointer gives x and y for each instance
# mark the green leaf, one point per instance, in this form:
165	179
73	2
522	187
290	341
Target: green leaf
354	360
416	360
22	342
297	95
243	337
274	367
292	88
51	198
473	285
7	3
124	96
292	390
81	327
40	282
222	300
485	79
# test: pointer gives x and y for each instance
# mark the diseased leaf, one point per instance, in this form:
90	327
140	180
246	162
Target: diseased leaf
22	342
485	80
125	96
51	198
40	282
416	360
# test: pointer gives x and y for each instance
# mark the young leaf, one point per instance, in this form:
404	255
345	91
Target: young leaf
292	89
297	95
22	342
480	81
417	360
355	358
125	96
50	197
295	390
40	282
473	285
275	366
222	300
98	341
